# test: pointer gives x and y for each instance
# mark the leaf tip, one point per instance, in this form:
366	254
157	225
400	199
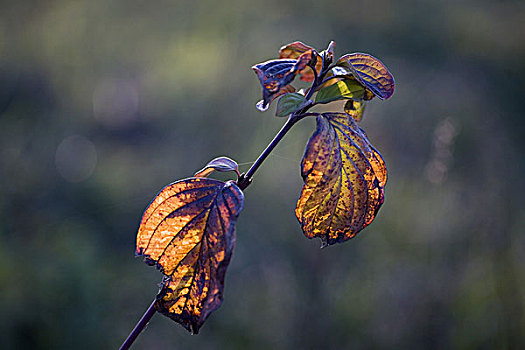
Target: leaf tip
262	106
257	71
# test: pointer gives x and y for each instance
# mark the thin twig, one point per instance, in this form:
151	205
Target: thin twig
245	179
139	327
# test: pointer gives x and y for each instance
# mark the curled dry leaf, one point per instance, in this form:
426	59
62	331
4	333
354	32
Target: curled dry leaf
188	232
370	72
276	75
344	179
218	164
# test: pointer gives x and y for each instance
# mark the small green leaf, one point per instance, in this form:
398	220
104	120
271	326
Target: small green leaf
289	103
347	88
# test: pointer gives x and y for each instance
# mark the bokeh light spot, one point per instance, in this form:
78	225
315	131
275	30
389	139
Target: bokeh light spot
115	103
76	158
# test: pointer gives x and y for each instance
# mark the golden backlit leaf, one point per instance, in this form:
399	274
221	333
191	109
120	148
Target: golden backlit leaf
344	179
188	232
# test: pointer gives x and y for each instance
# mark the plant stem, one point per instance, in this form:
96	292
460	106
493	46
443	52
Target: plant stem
139	327
245	179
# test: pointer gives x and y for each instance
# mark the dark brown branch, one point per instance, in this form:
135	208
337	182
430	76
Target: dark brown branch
139	327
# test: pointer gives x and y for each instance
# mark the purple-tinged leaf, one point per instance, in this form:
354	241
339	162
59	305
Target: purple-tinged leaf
275	75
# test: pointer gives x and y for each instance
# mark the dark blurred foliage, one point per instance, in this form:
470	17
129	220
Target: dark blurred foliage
102	103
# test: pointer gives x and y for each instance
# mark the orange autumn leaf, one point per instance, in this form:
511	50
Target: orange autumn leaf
188	232
296	49
344	179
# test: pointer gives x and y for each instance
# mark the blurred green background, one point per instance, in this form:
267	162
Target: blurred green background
102	103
